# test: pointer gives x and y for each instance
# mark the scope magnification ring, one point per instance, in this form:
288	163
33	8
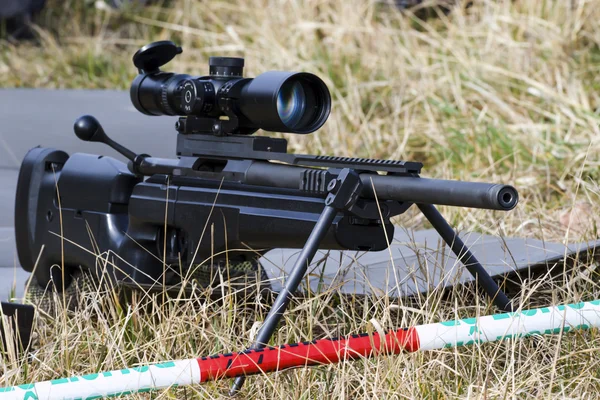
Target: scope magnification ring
164	95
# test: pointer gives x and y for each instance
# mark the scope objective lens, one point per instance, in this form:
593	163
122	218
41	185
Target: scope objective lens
291	103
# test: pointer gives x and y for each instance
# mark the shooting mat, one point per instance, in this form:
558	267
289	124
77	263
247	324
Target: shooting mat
417	261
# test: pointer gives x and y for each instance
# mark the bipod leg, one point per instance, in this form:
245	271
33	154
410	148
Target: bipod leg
343	192
483	279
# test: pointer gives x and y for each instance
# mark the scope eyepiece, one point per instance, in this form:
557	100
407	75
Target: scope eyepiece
278	101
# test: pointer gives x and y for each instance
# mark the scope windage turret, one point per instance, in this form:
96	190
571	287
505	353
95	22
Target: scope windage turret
294	102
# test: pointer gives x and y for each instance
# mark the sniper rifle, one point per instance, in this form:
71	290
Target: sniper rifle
152	213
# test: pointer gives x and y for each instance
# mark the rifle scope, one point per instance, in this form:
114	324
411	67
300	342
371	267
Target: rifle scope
292	102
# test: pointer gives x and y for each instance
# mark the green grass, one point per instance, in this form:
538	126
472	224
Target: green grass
504	91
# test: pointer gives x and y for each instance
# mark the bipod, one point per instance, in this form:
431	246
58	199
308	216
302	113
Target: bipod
343	193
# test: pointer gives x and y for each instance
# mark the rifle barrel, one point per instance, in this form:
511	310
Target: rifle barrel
410	189
441	192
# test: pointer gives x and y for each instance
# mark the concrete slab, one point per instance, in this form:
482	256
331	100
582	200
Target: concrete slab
418	262
8	188
45	117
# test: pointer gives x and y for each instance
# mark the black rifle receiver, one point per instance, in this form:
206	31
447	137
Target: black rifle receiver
227	191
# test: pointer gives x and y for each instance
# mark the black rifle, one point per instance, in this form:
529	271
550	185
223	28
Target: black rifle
153	212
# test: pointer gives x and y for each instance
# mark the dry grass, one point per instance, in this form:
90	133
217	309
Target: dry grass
504	91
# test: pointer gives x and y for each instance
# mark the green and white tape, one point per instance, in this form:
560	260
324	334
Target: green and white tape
462	332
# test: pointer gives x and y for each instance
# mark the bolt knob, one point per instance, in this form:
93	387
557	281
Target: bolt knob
88	129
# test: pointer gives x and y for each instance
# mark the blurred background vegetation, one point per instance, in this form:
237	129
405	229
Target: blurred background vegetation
494	90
